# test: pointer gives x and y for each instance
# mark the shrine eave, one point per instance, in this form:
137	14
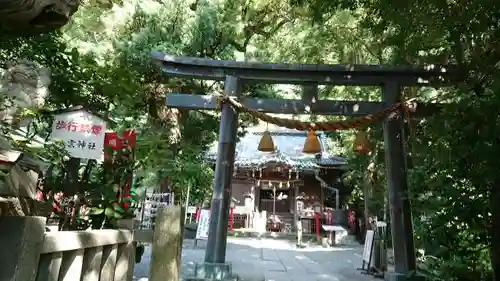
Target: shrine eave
325	163
288	152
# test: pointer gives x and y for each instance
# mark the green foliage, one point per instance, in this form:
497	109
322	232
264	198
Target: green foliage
102	61
453	175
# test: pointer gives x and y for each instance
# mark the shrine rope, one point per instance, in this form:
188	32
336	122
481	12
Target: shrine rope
328	126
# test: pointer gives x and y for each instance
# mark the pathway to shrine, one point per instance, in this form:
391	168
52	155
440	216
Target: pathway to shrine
256	259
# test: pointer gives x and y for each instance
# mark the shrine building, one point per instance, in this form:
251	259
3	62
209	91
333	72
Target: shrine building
273	185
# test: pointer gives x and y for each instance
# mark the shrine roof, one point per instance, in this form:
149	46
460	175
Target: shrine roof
289	144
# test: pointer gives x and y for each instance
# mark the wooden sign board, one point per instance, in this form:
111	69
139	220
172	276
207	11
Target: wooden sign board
82	132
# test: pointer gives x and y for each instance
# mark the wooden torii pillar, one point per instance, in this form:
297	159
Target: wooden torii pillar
389	78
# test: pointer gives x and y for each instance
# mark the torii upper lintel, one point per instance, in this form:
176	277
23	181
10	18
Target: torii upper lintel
322	74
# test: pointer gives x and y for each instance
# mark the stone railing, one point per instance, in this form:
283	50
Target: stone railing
29	253
87	255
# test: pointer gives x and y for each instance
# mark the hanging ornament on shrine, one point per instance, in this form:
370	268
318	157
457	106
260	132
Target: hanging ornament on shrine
361	144
312	145
266	143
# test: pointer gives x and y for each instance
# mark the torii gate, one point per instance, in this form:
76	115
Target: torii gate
390	78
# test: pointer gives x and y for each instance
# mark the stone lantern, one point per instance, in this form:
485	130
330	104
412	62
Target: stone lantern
317	208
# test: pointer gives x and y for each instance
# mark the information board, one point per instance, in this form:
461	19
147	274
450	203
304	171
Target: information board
150	207
367	251
81	132
202	230
191	210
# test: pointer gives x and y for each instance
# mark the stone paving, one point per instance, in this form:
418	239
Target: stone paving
256	259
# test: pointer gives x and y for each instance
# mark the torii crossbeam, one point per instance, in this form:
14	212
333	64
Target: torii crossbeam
389	78
303	106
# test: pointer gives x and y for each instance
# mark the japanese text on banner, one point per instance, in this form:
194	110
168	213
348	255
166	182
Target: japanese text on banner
82	133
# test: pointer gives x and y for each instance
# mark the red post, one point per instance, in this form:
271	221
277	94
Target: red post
231	219
317	226
329	217
197	216
352	221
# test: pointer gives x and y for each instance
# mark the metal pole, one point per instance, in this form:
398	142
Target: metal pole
325	185
400	211
295	210
186	205
274	200
143	204
219	211
337	199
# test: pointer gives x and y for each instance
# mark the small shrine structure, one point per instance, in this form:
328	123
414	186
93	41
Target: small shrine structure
268	185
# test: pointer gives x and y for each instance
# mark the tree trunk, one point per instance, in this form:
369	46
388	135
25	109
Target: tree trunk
30	17
369	180
495	231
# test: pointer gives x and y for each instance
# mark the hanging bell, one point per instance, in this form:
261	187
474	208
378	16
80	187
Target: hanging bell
266	143
312	145
361	144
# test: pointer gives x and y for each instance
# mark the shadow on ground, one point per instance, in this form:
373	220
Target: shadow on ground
256	259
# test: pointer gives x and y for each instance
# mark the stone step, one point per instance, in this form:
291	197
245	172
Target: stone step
216	271
227	278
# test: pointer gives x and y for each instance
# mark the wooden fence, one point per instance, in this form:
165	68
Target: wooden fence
28	253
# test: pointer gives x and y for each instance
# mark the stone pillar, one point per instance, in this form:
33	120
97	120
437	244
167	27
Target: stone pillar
167	245
21	241
125	260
